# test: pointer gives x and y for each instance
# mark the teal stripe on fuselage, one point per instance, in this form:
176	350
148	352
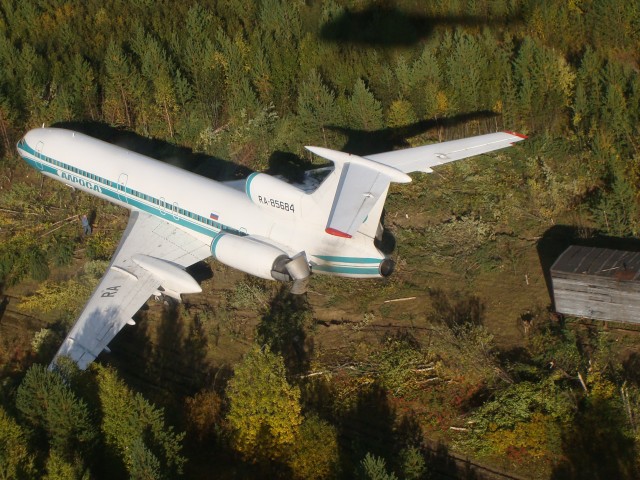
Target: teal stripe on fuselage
346	270
131	200
214	244
336	259
247	186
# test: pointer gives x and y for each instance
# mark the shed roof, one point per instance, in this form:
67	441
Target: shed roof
599	262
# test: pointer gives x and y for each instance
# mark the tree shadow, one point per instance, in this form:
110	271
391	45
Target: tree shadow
444	465
289	165
362	142
456	309
595	445
368	427
182	157
283	328
163	356
631	368
3	305
372	425
559	237
384	26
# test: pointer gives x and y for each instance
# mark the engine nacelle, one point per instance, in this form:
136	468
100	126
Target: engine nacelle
250	255
274	194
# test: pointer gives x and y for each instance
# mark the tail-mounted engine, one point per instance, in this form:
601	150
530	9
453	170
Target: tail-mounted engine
261	259
274	194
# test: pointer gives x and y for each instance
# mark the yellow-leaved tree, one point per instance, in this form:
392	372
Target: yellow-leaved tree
264	410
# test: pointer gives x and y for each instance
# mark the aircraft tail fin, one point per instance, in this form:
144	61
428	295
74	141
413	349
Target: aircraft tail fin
353	194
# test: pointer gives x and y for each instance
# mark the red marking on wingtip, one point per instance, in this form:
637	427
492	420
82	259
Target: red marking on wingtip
516	134
337	233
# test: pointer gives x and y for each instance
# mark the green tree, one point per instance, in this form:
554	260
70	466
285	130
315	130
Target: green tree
426	92
60	469
264	410
363	111
466	74
374	468
82	86
137	431
588	94
49	404
527	415
117	104
157	72
414	466
545	82
15	460
315	452
317	108
280	34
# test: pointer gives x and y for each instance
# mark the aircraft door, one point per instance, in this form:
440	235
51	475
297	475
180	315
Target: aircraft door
122	187
163	206
175	210
39	148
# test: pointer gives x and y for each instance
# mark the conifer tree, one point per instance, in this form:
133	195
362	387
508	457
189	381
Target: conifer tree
364	112
50	406
317	108
137	431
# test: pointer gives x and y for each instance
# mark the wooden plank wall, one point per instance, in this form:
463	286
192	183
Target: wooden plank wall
603	294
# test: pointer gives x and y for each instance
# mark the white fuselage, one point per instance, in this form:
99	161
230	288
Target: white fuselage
200	205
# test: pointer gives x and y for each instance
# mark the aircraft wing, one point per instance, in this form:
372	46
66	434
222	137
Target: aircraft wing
421	159
151	254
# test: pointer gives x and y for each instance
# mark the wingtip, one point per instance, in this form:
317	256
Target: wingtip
516	134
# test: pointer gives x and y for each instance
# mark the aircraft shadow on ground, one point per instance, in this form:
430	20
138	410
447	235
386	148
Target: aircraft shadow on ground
165	357
283	328
383	26
183	157
559	237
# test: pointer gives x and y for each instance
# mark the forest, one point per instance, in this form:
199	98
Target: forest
454	367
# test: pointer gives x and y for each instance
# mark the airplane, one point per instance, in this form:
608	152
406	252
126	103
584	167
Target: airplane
262	225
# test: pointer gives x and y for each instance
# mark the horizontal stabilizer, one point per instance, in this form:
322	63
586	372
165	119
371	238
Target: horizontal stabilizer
422	159
341	158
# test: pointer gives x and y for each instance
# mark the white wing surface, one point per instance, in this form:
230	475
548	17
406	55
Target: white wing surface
421	159
151	254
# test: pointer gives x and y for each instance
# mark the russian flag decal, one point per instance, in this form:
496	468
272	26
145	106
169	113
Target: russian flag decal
213	216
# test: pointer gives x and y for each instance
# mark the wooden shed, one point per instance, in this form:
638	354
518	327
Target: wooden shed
597	283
